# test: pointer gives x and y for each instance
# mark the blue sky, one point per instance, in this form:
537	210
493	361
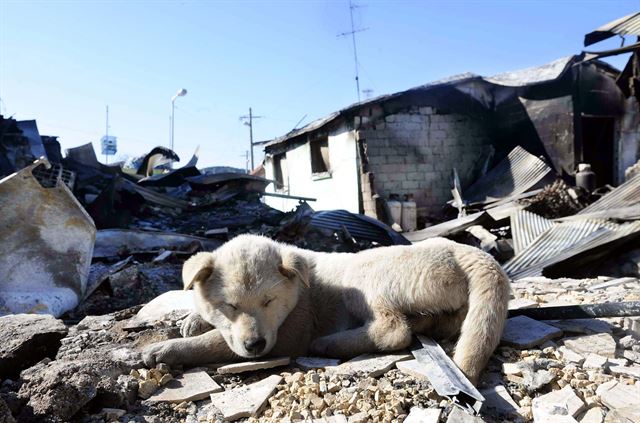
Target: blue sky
62	62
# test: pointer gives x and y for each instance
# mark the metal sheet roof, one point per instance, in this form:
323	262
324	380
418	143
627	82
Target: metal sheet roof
533	75
516	174
29	130
526	227
627	25
623	196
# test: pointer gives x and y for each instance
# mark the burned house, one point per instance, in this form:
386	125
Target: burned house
569	111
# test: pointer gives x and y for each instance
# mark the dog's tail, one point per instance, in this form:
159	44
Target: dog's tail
489	289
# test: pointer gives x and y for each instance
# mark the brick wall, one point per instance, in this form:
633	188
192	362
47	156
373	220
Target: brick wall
414	153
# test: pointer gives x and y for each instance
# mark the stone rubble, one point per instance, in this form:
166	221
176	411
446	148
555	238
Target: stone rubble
97	376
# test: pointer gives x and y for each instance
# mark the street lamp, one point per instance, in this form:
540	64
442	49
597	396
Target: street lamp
181	93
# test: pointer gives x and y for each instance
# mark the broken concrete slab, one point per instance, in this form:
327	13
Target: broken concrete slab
245	401
459	416
412	368
310	363
520	303
524	332
511	369
633	371
190	386
164	304
632	355
602	344
586	326
499	402
372	365
594	361
570	356
557	405
249	366
593	415
337	418
616	395
26	339
47	243
623	415
423	415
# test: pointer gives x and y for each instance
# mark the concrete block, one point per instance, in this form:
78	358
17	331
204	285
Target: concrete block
523	332
249	366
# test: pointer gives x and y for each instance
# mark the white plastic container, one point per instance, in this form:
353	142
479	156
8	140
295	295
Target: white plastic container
409	214
395	209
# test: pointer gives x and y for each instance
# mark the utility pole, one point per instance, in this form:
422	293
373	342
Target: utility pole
106	156
353	39
248	120
246	160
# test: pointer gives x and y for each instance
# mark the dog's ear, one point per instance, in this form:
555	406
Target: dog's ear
197	269
293	265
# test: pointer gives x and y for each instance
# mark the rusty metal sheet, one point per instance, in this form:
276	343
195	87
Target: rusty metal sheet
450	227
47	244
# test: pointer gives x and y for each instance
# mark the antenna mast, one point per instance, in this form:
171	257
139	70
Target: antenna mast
353	39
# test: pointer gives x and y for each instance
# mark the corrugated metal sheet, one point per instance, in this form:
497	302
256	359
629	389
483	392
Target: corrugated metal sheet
359	226
517	173
450	227
564	241
625	195
627	25
551	243
526	227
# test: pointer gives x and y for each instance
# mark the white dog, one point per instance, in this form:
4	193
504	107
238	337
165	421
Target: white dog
264	297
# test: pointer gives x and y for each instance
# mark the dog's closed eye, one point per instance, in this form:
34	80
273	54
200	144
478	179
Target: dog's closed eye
231	306
267	301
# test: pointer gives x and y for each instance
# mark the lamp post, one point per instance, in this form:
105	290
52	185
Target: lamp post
181	93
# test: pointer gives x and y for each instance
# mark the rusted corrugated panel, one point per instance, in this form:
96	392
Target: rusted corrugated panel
450	227
626	195
564	241
526	227
627	25
517	173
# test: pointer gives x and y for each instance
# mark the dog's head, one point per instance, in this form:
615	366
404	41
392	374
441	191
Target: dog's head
246	289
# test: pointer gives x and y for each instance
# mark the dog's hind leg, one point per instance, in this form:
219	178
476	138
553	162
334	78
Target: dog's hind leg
387	331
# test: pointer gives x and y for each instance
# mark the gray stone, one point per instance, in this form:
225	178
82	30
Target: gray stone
524	332
412	368
459	416
189	386
557	406
593	415
361	417
511	369
595	361
602	344
245	401
499	402
570	356
249	366
370	364
25	339
310	363
632	355
633	371
586	326
337	418
423	415
628	342
617	395
534	380
623	415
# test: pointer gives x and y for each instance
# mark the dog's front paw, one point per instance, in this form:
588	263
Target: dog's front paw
194	325
160	352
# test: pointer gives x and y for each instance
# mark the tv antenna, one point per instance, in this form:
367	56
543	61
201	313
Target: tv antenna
353	38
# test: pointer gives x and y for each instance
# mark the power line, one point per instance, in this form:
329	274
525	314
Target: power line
353	38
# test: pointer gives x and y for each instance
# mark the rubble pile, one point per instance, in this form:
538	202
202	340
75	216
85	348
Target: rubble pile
557	200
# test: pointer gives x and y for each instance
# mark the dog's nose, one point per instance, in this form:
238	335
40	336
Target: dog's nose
255	345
